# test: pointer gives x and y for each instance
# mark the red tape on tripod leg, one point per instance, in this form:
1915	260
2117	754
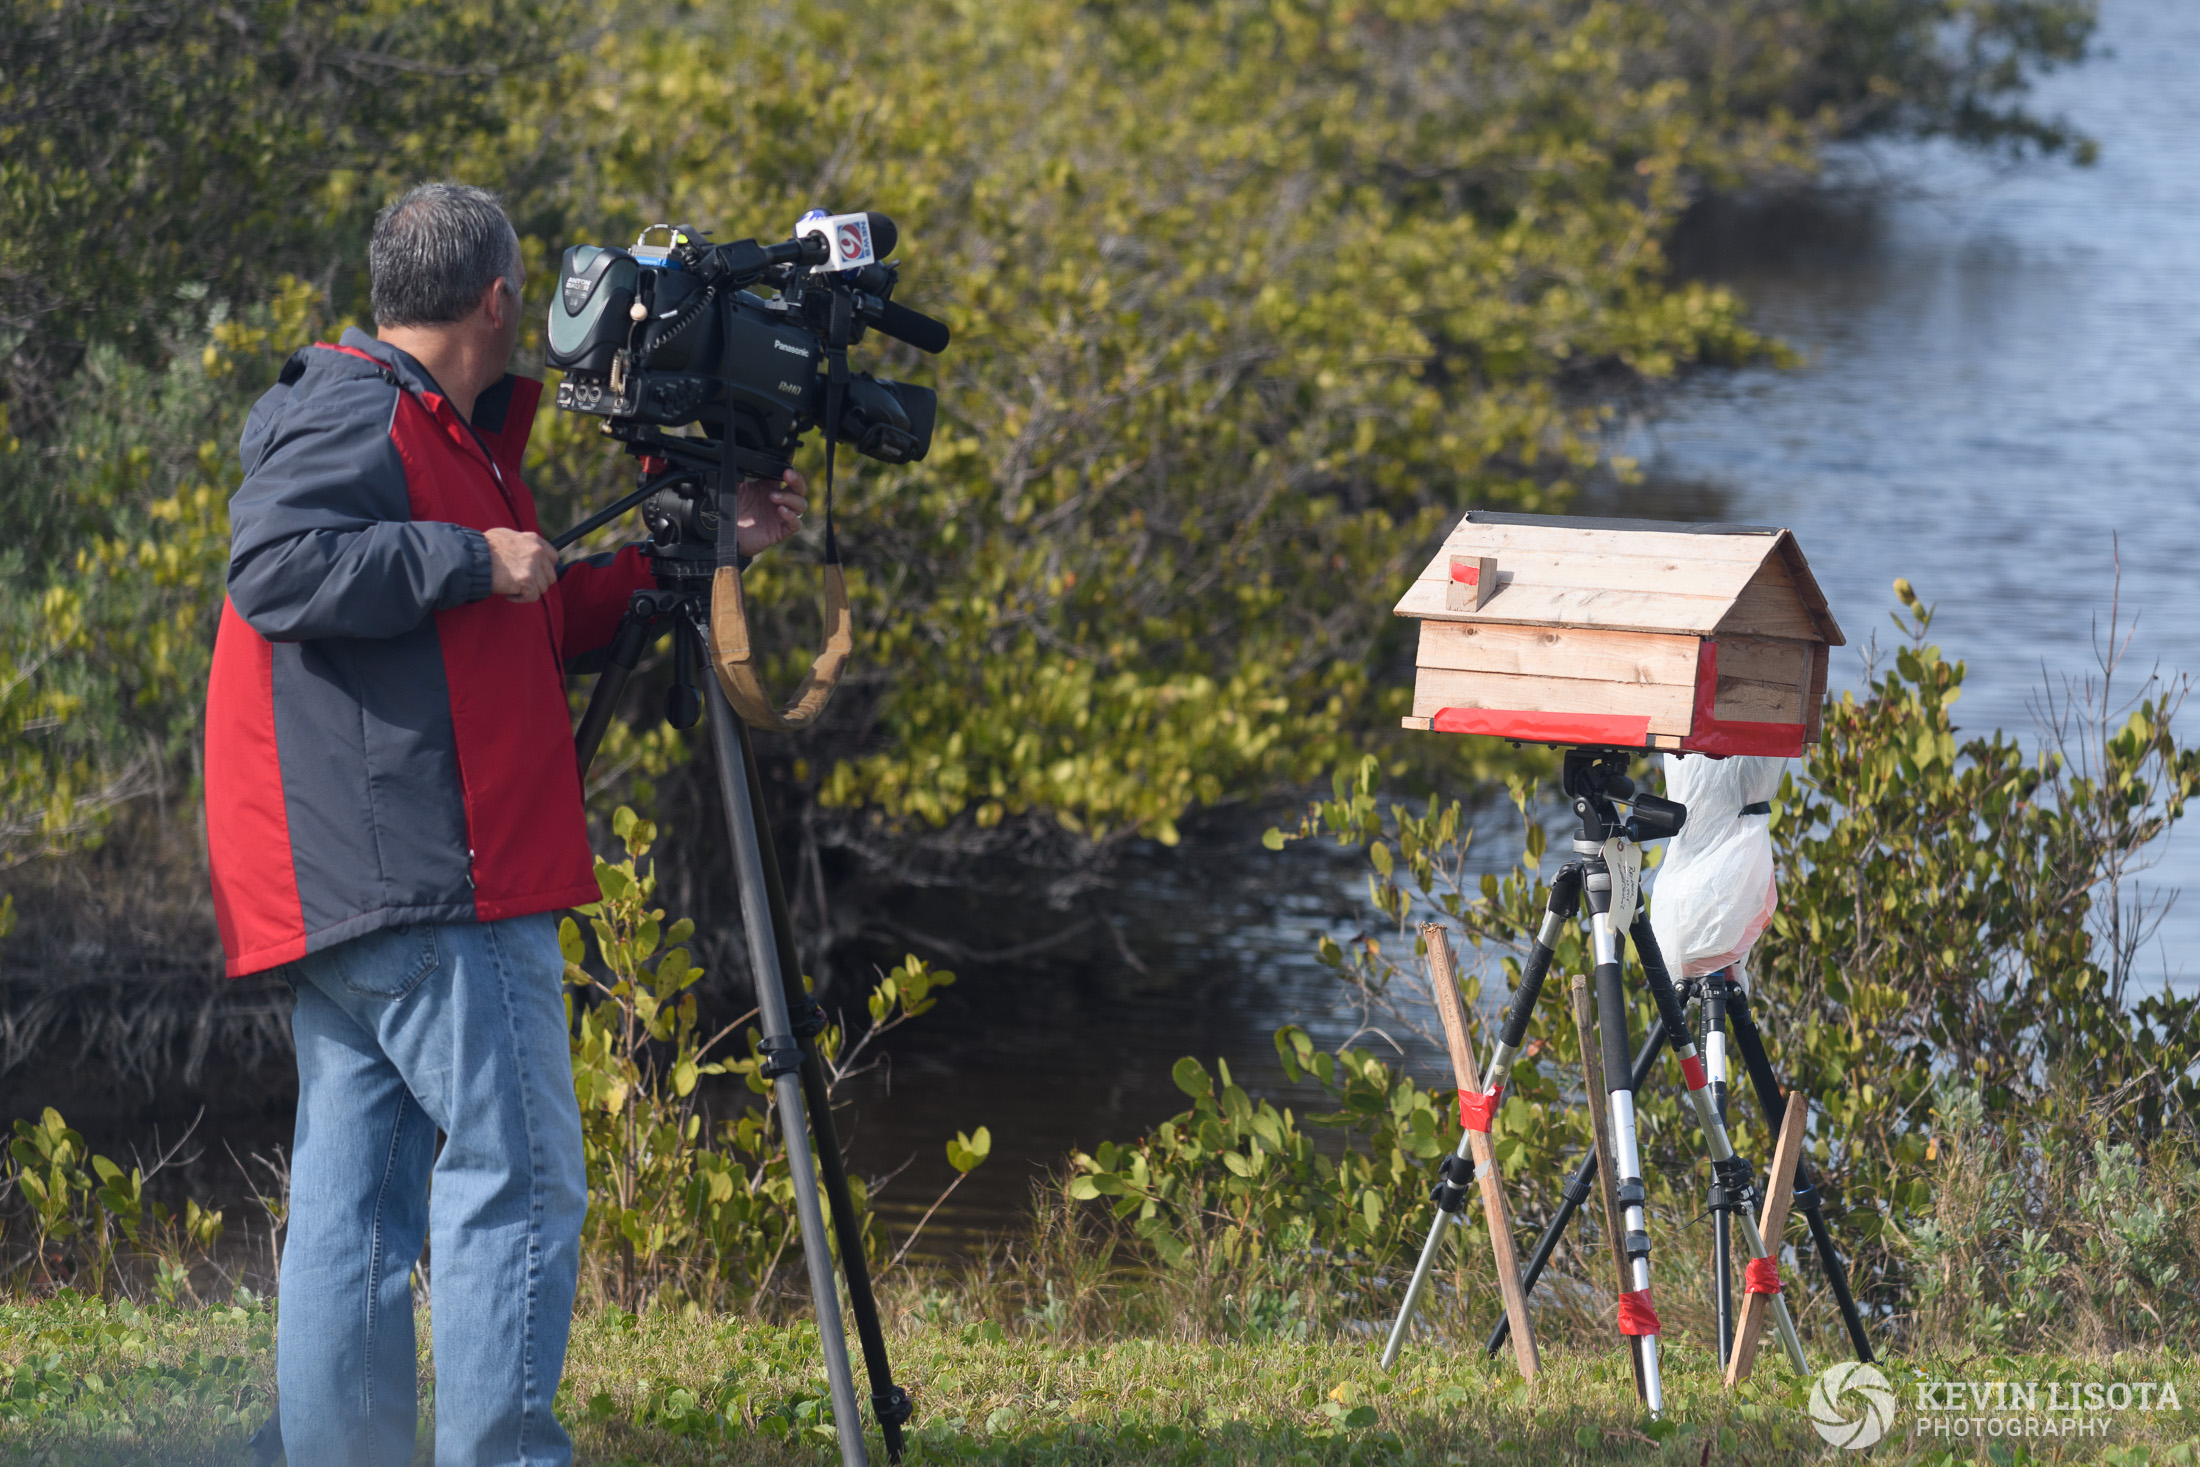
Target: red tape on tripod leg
1477	1111
1636	1317
1762	1276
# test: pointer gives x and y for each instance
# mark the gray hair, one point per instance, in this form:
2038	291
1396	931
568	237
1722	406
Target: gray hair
436	250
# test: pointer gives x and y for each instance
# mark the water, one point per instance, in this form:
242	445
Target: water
2002	395
1213	950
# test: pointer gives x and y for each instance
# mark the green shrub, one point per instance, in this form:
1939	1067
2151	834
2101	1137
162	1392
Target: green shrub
1240	1205
88	1224
684	1210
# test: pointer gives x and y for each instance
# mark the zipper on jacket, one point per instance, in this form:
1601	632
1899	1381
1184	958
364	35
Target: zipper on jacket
495	473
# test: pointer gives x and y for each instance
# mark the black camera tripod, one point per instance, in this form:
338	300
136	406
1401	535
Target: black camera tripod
1607	870
789	1018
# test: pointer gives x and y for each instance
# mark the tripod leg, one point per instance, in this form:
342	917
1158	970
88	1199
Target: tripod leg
1636	1317
1450	1197
1733	1172
1722	1203
889	1402
1751	1042
1575	1192
783	1064
1615	1233
1565	901
1564	905
603	699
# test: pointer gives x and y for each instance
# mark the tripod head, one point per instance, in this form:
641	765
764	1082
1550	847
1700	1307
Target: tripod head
1596	781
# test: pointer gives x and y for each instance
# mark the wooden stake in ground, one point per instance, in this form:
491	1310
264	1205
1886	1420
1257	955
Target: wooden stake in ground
1772	1223
1448	1008
1592	1076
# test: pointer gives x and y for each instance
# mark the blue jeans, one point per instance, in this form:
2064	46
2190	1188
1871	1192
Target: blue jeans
458	1028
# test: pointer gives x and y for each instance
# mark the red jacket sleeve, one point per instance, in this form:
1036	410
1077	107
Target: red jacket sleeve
592	596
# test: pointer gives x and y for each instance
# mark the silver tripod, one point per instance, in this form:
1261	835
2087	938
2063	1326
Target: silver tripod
1607	870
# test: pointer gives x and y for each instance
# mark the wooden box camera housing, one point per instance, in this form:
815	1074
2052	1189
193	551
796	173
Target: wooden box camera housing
1642	634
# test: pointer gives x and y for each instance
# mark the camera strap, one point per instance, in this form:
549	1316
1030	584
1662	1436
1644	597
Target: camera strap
733	650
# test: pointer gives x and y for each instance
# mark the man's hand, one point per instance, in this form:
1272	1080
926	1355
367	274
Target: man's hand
521	566
767	512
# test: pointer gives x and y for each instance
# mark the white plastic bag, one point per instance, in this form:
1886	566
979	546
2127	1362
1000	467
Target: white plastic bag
1714	892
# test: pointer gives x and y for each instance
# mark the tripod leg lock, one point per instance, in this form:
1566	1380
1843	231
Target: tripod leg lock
1632	1195
892	1406
782	1055
1456	1174
1734	1187
806	1020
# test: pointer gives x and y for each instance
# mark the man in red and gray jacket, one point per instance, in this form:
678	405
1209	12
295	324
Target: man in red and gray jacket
393	816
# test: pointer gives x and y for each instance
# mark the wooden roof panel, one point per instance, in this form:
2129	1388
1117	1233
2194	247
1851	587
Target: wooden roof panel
1630	575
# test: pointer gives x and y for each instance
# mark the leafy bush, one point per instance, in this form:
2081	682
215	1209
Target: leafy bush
88	1223
156	150
1239	1203
683	1211
2038	1234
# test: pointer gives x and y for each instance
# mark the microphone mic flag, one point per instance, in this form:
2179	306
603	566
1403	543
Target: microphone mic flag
851	241
884	236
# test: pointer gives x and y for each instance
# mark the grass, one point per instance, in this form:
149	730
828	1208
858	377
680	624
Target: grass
83	1382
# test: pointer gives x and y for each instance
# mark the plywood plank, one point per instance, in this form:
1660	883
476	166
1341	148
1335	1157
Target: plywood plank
1763	679
1749	702
1787	1152
1607	572
1573	606
1443	978
1542	651
1562	539
1814	702
1806	586
1668	707
1774	660
1770	606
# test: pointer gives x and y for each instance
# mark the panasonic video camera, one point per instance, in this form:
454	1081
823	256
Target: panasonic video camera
672	342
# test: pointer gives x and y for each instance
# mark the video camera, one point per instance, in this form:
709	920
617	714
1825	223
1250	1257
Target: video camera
668	335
